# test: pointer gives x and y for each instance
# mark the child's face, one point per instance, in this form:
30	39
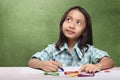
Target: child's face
74	24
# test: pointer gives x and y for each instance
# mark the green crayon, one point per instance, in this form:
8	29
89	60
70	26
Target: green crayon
51	73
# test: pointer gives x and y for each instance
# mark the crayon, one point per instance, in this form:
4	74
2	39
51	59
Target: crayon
86	74
73	74
60	68
70	72
51	73
106	71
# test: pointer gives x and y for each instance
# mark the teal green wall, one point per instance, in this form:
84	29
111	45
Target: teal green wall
27	26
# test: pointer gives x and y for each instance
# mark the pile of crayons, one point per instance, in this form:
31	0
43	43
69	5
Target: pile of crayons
76	73
71	74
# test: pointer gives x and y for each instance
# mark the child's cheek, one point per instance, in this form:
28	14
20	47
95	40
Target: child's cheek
65	25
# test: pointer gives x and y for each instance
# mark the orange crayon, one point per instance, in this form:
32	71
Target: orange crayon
70	72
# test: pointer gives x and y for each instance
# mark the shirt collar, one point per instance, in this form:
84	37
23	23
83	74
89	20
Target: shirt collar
76	48
65	46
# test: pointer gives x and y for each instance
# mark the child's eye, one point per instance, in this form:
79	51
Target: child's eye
68	19
78	23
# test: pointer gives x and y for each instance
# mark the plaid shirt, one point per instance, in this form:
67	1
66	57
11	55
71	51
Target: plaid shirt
76	58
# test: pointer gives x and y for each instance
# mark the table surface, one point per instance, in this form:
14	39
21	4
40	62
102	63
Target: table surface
27	73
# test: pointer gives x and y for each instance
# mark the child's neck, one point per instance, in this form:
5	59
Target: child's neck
71	44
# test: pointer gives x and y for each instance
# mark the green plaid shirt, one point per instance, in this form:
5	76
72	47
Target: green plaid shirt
76	58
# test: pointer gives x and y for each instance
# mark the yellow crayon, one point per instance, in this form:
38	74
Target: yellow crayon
73	74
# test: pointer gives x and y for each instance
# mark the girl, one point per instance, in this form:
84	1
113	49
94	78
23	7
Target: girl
74	46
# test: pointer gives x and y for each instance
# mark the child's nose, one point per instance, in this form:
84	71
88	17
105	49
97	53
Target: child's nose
72	25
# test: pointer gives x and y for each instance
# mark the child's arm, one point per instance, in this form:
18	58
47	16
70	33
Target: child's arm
104	63
44	65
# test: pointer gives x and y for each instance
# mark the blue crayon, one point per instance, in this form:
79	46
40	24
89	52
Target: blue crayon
60	68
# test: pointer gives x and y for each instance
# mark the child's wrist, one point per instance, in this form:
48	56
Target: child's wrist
99	65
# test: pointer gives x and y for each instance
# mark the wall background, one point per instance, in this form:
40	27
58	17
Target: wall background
27	26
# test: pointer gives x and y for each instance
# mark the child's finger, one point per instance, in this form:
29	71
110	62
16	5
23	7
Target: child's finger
82	68
51	66
57	63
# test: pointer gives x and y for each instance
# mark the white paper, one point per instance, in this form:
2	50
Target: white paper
70	69
28	70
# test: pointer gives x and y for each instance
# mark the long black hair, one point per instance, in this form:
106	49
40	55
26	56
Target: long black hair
86	37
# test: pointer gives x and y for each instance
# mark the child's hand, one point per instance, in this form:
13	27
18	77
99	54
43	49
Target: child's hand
51	65
90	68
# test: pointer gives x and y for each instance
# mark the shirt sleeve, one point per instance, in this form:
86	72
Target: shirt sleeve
97	54
45	54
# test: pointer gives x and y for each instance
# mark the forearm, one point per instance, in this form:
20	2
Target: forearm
105	63
35	63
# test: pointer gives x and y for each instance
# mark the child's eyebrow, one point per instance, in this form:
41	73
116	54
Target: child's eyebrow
72	17
81	20
68	16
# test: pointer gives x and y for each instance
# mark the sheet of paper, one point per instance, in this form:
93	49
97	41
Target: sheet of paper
28	70
70	69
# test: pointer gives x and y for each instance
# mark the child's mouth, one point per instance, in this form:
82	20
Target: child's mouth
70	32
